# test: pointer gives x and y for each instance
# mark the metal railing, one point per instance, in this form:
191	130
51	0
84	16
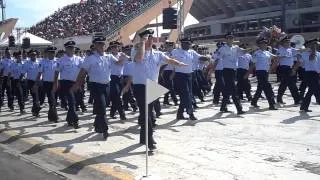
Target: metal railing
127	19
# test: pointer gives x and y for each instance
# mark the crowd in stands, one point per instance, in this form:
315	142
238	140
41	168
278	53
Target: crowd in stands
85	18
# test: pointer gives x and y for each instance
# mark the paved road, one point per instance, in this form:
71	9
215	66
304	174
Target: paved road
13	168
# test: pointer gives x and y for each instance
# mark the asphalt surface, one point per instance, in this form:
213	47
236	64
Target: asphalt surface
14	168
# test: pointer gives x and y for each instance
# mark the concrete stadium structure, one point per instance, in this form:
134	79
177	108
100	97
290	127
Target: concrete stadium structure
246	18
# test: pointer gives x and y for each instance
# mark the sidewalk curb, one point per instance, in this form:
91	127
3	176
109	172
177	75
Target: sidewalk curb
105	171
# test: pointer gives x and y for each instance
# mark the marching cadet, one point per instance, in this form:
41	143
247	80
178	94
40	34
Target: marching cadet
311	63
68	67
183	77
196	91
116	81
218	67
243	83
5	67
48	67
128	97
286	56
229	54
146	65
31	68
98	67
79	95
262	61
168	75
16	72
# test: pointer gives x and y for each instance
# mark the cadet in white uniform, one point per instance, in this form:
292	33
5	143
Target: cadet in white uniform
68	67
31	68
243	83
5	67
229	54
262	61
218	67
311	63
48	68
116	81
287	79
16	72
146	65
98	67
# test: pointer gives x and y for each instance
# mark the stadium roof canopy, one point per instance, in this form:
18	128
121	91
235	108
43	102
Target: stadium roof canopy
206	8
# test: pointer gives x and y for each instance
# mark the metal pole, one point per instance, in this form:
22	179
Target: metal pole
284	15
147	131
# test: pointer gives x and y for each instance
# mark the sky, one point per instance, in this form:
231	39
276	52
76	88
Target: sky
29	12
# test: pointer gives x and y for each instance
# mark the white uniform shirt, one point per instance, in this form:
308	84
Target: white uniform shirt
6	66
244	61
289	56
16	70
215	57
32	69
310	65
262	59
229	56
189	57
98	67
48	69
117	69
69	67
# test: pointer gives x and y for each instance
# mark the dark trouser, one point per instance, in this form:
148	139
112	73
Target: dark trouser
218	86
62	96
90	92
18	92
8	90
230	89
312	81
203	83
157	107
25	89
72	117
140	95
196	90
243	84
265	86
303	85
35	98
169	85
115	96
128	96
79	95
42	94
99	93
52	114
183	86
286	80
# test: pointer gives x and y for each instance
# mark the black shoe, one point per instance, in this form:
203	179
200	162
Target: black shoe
22	112
152	147
84	110
76	126
167	103
123	118
224	110
176	104
77	109
254	105
192	118
202	100
249	99
158	114
11	109
305	110
105	135
241	112
273	108
180	117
